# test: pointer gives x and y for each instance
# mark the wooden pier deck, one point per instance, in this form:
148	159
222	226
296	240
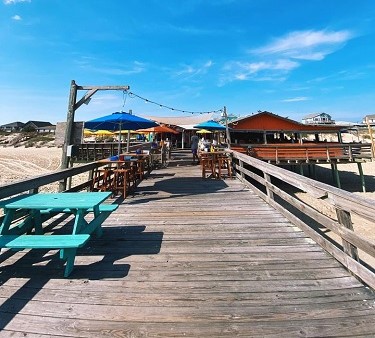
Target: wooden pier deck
186	257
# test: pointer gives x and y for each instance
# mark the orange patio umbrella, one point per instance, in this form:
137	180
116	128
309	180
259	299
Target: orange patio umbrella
158	129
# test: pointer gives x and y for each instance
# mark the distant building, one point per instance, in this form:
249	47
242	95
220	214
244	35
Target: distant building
39	126
318	118
10	127
369	119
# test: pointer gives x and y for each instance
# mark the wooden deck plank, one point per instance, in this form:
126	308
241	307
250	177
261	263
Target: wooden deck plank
184	256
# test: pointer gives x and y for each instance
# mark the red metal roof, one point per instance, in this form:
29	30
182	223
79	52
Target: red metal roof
266	121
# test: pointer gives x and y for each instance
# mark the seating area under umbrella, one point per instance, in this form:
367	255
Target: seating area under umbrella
120	121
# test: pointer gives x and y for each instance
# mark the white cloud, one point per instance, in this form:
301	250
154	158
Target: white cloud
258	71
307	45
296	99
191	71
16	18
12	2
274	61
88	63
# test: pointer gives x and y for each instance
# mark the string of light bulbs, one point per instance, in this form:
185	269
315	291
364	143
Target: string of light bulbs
131	94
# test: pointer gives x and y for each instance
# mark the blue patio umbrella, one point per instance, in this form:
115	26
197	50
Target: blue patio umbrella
119	121
210	125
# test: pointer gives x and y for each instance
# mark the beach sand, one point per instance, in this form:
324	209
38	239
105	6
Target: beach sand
21	163
17	164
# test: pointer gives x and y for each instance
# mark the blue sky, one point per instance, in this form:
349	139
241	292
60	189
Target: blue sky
290	57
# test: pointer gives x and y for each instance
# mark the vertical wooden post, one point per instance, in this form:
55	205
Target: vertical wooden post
301	169
91	177
242	174
267	177
314	171
69	180
371	138
182	140
350	153
68	131
344	219
339	136
336	174
277	154
363	184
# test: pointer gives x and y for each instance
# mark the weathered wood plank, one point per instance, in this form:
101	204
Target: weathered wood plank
186	257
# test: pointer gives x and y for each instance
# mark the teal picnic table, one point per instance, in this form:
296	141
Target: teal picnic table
28	234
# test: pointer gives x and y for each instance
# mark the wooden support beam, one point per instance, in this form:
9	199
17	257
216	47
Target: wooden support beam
267	178
344	219
68	130
85	98
301	169
363	183
335	173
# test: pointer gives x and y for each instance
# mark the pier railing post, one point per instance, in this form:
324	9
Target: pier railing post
344	219
267	178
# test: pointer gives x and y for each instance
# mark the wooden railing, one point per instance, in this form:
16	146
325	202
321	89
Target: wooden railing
33	185
88	152
277	186
322	152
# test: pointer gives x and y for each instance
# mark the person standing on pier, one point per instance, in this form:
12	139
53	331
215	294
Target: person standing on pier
194	147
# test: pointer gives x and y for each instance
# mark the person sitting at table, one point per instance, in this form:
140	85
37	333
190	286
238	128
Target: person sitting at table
204	145
154	144
139	150
214	145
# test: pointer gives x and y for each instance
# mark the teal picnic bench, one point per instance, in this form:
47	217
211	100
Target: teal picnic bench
14	238
67	244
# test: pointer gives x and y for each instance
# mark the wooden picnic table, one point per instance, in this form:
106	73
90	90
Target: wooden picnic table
39	207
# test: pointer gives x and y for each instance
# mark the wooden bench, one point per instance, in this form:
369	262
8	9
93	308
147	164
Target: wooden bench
67	244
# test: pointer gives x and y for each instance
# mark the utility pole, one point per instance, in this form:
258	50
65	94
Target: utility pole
72	107
226	126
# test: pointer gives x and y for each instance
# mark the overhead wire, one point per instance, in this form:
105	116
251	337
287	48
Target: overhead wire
131	94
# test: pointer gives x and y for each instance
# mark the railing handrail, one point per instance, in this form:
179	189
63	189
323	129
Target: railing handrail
307	145
361	205
344	202
18	187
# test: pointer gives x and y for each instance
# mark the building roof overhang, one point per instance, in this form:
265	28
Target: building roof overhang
266	121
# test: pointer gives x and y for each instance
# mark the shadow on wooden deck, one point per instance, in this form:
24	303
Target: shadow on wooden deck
184	256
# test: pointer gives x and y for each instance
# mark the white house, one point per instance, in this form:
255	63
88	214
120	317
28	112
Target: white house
318	118
369	119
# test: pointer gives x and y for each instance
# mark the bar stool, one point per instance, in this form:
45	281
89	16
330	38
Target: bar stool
121	181
207	164
102	180
223	162
140	169
131	165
